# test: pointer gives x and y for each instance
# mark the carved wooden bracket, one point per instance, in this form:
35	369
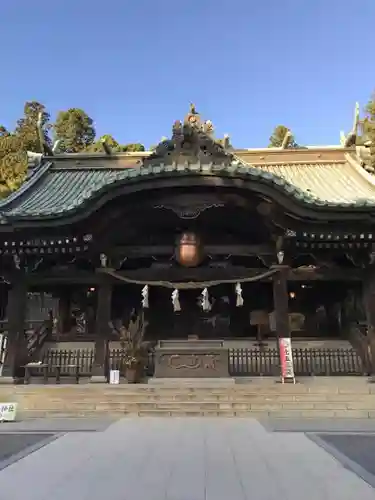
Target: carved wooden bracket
188	207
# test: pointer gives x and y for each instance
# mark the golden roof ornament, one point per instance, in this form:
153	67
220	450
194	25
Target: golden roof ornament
193	110
192	118
192	141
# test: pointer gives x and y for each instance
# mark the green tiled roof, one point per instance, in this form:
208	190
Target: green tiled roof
55	190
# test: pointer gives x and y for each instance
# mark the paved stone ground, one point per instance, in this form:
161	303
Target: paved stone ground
181	459
330	425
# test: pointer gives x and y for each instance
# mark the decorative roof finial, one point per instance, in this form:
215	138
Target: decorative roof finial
356	118
39	125
226	141
55	147
44	147
351	138
106	147
285	142
193	110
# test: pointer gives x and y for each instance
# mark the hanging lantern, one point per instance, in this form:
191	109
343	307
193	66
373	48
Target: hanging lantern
176	301
103	260
239	298
205	302
145	297
189	250
280	256
17	261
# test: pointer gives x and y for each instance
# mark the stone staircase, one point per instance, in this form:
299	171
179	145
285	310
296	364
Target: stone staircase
310	398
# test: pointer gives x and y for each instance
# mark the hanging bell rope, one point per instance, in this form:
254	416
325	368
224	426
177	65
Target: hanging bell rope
145	297
176	300
239	298
205	301
187	285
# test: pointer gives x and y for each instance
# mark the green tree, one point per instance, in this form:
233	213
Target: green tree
97	146
14	145
27	126
75	129
277	138
114	145
13	163
369	127
3	131
133	148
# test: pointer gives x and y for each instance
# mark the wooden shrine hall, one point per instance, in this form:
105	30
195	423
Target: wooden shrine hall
211	241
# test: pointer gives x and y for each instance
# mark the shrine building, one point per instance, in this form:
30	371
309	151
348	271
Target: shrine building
213	242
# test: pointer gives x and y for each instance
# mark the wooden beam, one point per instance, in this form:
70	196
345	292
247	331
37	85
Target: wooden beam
193	274
240	250
325	274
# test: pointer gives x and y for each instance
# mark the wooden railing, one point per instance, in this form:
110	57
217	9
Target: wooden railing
307	362
242	362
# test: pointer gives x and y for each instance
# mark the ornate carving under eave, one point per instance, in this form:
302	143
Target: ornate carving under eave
187	207
189	212
192	142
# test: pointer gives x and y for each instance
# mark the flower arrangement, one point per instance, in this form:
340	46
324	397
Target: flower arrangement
134	352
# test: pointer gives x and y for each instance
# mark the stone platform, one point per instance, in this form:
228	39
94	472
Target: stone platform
192	382
191	359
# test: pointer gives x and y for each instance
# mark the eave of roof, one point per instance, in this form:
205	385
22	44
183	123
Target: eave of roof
64	184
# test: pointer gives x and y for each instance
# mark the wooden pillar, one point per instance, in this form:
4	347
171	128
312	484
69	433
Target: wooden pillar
16	353
281	301
369	306
103	317
64	312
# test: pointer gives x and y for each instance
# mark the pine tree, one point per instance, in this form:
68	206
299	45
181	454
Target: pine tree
277	138
75	129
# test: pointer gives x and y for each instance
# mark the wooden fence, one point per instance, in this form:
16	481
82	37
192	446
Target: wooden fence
307	362
242	362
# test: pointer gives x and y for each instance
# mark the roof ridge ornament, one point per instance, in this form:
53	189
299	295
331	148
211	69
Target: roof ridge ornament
192	142
33	160
56	146
44	147
349	140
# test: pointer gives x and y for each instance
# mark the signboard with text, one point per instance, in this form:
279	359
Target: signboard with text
8	412
286	359
114	377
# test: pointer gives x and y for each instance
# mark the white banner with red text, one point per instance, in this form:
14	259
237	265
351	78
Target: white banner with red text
286	358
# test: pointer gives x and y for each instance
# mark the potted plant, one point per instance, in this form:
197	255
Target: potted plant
134	352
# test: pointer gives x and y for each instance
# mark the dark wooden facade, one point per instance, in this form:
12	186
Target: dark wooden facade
289	251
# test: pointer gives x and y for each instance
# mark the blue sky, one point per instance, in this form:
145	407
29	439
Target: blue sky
134	66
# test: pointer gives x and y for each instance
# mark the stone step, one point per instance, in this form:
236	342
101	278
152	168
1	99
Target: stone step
316	392
339	399
353	398
203	405
287	414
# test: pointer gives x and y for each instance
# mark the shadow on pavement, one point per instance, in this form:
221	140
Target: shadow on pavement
14	444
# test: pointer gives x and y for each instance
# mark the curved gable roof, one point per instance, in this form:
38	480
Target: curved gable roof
66	184
57	191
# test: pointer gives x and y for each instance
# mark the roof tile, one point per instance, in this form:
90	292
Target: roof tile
53	190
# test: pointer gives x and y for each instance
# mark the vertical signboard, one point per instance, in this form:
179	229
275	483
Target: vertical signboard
286	360
3	344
